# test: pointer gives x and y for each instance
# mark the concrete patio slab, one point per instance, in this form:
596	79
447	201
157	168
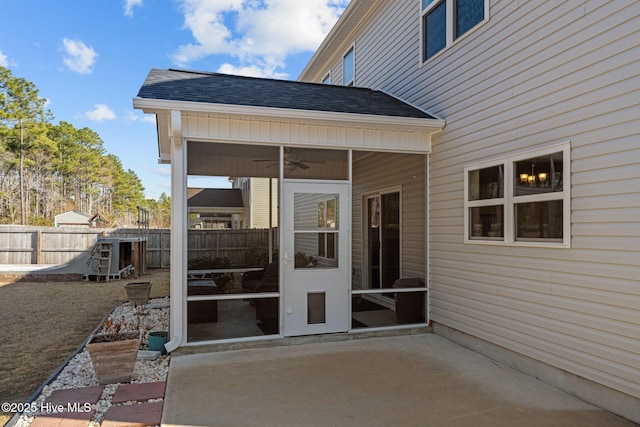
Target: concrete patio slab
421	380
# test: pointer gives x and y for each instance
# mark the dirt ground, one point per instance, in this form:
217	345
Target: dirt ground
42	324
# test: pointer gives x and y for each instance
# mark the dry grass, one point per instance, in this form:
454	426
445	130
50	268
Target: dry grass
42	324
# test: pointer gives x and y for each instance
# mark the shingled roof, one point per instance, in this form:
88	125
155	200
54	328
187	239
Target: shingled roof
214	198
215	88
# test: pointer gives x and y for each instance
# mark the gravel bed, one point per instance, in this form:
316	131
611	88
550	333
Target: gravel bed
79	371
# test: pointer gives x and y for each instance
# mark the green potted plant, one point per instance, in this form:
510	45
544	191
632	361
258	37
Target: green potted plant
114	351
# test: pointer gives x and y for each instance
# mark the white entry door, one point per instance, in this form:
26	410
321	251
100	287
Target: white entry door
316	258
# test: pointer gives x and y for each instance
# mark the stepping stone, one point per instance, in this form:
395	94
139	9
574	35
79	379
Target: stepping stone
139	392
137	415
64	419
76	395
148	355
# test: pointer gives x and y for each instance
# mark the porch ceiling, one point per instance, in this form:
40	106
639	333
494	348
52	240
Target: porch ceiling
223	159
205	158
273	112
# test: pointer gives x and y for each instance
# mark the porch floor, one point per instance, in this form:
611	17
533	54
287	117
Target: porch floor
421	379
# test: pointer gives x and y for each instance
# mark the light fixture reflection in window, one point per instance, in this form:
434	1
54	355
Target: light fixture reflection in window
532	179
542	176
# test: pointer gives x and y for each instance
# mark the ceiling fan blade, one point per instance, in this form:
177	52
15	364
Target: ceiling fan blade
299	164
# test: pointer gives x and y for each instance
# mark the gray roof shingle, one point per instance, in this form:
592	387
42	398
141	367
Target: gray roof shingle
215	88
214	198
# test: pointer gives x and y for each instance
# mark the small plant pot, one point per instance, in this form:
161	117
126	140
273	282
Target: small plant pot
138	292
114	360
157	340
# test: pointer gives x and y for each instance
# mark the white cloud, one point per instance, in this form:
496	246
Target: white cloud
163	171
78	56
4	61
129	5
260	33
100	113
252	71
137	116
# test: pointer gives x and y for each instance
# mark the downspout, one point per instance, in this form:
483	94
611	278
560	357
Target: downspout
270	220
178	275
427	308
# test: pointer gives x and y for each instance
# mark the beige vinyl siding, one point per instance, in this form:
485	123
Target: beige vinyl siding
382	172
534	75
306	207
252	130
259	204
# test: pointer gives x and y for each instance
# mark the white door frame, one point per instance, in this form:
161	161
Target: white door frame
333	284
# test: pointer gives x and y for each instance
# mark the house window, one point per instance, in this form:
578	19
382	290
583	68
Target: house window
348	68
467	14
520	199
327	79
445	21
435	25
327	220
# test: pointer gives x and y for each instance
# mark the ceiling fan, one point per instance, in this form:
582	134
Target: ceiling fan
291	161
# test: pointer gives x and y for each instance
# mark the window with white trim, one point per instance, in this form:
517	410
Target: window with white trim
327	79
522	199
445	21
349	67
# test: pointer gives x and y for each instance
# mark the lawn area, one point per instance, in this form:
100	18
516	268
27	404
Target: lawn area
42	324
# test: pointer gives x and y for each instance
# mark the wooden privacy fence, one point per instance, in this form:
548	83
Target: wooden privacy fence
232	244
48	245
45	245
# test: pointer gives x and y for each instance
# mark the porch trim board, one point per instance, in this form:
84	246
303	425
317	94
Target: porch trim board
179	218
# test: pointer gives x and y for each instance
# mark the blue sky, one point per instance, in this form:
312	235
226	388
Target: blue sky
89	58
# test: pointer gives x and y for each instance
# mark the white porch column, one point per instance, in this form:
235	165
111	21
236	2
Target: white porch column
178	276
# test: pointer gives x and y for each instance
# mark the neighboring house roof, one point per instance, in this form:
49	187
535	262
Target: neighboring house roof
80	218
215	88
72	217
215	200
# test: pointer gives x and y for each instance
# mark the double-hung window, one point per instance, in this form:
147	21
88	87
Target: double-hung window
349	67
445	21
520	200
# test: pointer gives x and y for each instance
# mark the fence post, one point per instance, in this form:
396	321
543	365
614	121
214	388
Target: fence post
38	248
